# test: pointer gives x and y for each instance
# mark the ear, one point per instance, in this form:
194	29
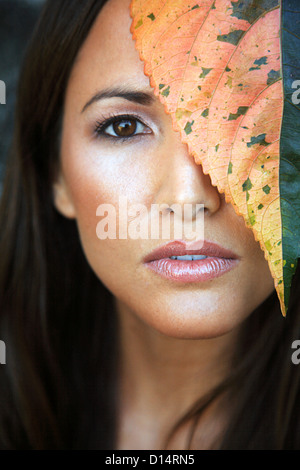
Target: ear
62	198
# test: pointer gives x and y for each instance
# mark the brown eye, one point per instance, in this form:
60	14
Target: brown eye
125	128
122	127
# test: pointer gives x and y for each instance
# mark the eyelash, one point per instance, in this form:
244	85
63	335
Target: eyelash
101	126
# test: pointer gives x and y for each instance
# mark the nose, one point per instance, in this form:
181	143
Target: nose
184	182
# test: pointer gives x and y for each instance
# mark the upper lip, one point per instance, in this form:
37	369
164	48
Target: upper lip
181	248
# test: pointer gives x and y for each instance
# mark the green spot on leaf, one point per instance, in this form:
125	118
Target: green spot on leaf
260	139
229	168
250	10
204	72
260	207
273	76
240	112
151	16
166	92
188	127
266	189
181	112
247	185
139	23
268	245
232	38
259	63
205	113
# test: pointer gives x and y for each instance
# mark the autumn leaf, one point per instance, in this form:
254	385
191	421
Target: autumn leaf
224	71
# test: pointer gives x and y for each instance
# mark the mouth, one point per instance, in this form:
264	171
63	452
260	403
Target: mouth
185	262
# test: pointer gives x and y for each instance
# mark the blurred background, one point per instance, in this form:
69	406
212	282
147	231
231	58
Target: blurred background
17	20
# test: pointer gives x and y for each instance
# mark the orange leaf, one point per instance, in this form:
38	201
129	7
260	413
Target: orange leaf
216	67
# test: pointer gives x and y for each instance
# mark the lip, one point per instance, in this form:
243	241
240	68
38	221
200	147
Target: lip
220	260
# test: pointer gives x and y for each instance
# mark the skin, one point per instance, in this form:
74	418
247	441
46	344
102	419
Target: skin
180	336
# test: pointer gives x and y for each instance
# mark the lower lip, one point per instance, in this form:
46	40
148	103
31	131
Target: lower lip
192	271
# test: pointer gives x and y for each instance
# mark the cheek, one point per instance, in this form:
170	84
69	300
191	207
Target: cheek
256	278
98	172
96	178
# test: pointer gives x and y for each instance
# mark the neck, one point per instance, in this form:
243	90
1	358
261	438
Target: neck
157	370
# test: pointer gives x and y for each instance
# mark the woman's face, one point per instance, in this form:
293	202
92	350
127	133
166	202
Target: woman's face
141	158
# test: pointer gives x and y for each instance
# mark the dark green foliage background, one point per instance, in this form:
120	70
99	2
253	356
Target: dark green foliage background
17	19
289	178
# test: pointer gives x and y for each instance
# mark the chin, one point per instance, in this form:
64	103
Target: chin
192	323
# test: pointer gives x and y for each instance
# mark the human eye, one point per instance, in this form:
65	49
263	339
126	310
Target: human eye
121	127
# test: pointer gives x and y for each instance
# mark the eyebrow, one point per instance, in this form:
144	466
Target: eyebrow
139	97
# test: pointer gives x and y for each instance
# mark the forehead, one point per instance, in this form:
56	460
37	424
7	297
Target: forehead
108	57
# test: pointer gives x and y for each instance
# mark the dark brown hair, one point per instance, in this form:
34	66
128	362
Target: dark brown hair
59	387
